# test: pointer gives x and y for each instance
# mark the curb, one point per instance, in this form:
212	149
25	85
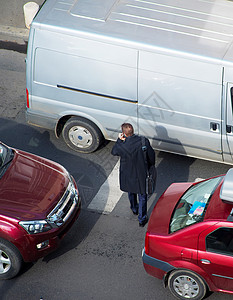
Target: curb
10	33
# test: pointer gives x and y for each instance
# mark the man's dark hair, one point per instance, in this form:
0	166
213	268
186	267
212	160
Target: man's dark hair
127	129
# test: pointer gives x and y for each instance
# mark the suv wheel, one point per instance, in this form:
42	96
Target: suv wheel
10	260
186	285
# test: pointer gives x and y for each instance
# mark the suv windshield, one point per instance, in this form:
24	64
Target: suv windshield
192	205
6	156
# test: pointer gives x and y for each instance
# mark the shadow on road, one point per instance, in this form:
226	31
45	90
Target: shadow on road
173	168
170	168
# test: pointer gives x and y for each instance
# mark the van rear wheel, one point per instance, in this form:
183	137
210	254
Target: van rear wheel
81	135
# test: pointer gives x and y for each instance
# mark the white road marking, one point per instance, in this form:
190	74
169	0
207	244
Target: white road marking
109	193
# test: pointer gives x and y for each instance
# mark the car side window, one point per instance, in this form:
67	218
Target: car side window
220	241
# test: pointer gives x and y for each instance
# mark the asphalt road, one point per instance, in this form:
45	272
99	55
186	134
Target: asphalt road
100	258
11	12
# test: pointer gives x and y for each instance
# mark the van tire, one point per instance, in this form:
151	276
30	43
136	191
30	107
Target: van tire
81	135
10	260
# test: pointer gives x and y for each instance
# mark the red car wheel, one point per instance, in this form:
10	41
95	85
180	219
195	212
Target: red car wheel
186	285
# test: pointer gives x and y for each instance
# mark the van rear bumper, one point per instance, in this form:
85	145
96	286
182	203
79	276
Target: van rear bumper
41	121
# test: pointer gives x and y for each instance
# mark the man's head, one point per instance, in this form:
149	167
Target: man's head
127	129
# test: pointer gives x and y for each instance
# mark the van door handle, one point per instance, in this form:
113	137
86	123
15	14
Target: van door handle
229	129
205	261
214	126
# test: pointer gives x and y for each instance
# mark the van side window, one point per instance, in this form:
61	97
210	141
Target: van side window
220	241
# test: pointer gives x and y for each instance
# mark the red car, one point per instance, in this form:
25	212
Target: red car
39	202
189	239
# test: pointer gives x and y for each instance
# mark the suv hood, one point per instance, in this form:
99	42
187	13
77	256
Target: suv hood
31	187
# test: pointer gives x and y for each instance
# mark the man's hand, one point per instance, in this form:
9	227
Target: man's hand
121	136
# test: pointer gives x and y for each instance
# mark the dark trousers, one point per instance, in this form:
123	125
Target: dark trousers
139	206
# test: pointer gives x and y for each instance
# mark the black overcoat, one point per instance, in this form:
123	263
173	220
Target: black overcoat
132	164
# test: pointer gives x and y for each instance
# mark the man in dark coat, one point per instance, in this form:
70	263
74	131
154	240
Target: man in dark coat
133	170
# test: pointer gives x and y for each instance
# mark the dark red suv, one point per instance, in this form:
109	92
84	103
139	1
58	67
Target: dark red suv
39	202
189	239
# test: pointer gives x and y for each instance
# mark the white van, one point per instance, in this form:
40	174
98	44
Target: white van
165	66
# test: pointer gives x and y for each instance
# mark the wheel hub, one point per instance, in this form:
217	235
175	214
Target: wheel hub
5	262
80	137
186	287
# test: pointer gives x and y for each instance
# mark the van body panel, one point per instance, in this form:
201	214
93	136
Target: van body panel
88	75
94	72
178	104
99	12
188	27
166	67
41	120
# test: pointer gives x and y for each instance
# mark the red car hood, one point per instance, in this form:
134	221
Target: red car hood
31	187
161	214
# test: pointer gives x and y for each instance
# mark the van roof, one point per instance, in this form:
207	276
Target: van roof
201	27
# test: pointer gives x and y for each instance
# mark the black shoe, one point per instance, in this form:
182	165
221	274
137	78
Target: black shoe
143	223
135	212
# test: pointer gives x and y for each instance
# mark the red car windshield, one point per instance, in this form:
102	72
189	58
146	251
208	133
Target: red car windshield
191	207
